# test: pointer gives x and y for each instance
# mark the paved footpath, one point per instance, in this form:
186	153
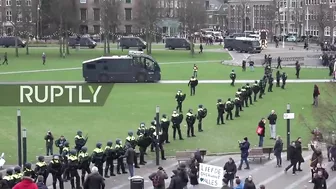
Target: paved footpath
263	173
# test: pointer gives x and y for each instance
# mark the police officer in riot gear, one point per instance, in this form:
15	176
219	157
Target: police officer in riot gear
41	168
9	178
220	112
160	143
270	84
284	79
55	167
176	120
237	105
109	154
73	164
60	144
201	114
255	89
120	151
143	142
244	96
80	141
151	130
240	96
27	168
133	142
193	82
233	77
65	155
262	89
17	176
249	92
229	107
278	77
84	162
165	128
179	97
190	119
98	157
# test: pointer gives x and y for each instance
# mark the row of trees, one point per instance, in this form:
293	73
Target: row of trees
64	16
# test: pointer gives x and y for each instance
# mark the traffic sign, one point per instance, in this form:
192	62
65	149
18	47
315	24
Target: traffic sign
288	116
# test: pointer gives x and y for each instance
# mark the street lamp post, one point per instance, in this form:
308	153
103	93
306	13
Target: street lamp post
307	25
246	7
283	23
332	25
38	22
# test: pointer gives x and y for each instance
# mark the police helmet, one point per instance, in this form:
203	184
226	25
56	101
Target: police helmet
243	87
17	169
239	89
229	99
260	80
40	158
56	157
130	133
247	84
164	115
153	123
27	165
79	132
66	144
118	141
219	100
200	106
232	70
255	81
9	171
73	152
174	111
99	145
142	124
109	143
84	149
193	77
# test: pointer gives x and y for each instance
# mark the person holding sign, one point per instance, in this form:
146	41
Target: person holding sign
261	131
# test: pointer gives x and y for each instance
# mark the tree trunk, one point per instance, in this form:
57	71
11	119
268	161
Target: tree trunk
147	39
105	44
63	47
16	44
60	36
66	39
108	44
192	50
27	46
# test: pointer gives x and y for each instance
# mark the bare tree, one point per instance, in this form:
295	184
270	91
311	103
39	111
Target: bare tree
243	9
146	15
323	18
16	16
272	15
25	19
110	18
192	15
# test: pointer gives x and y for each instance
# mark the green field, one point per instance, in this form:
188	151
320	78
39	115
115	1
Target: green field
130	104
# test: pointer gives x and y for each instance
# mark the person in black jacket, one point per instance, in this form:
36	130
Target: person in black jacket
3	183
319	181
272	118
230	170
316	93
49	138
297	68
94	180
293	157
175	182
278	146
183	174
298	147
278	77
261	131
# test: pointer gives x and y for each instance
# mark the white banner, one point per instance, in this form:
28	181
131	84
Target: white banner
211	175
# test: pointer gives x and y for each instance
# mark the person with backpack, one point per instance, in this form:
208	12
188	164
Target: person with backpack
158	178
183	175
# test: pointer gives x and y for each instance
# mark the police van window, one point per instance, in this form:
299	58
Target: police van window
150	64
90	66
255	43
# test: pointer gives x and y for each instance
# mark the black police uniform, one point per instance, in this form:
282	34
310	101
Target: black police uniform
284	78
165	128
133	142
261	87
220	112
179	97
193	82
151	130
110	155
5	59
143	142
233	78
277	77
41	168
176	120
120	152
229	107
65	155
160	145
55	167
241	101
201	114
17	176
84	163
244	96
297	68
29	171
60	144
255	89
73	169
190	119
98	158
270	84
80	141
249	92
10	180
49	138
279	63
237	104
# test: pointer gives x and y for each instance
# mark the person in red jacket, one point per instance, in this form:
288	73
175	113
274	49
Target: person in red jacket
26	183
261	131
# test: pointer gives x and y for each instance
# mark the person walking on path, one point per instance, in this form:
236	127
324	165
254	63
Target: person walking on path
293	157
278	147
316	93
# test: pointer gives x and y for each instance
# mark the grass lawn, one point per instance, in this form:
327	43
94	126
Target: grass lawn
130	104
175	65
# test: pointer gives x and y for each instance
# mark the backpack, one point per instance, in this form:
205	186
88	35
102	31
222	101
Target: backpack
157	181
